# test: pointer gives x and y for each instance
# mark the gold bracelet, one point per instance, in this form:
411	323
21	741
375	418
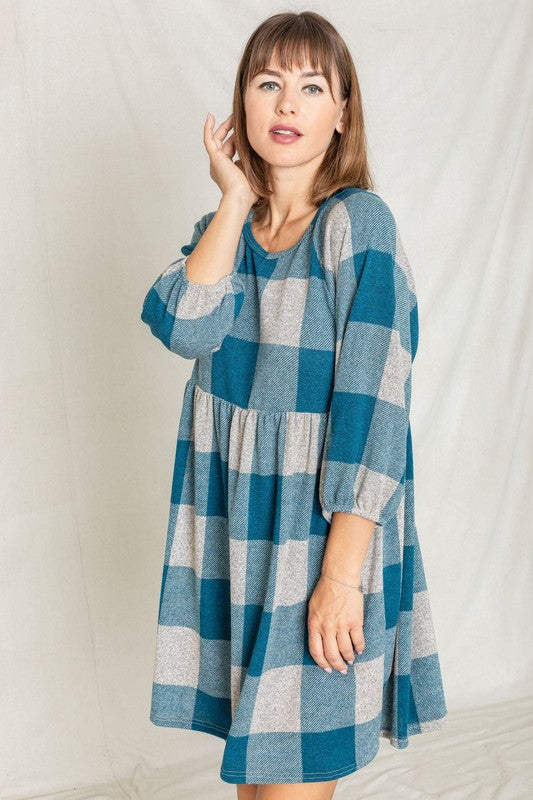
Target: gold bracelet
359	587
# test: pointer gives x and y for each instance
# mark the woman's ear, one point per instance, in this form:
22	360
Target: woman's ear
342	121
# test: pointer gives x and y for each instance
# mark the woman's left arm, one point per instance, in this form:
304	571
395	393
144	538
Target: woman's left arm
363	470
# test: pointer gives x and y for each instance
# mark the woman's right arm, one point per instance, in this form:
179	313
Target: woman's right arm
195	301
193	304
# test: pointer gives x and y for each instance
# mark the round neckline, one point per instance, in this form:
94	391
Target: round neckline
248	233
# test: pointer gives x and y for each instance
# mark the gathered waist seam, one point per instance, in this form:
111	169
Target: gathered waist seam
290	413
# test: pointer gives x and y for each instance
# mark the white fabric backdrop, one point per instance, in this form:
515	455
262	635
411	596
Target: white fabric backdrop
104	173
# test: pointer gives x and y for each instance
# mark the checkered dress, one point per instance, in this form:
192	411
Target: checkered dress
297	406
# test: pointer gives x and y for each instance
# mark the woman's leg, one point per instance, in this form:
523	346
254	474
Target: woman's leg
296	791
246	791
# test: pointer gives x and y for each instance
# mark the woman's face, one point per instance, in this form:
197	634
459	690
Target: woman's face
292	98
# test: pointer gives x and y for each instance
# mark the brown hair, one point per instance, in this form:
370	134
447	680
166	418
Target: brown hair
288	37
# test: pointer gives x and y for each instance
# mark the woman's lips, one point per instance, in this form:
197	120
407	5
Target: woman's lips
285	138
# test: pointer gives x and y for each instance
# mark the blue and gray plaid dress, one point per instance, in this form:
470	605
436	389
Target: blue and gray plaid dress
297	406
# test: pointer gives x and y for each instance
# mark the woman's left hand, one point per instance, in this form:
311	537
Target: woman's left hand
335	624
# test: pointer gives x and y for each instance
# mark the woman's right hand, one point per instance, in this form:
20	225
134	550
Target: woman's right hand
227	174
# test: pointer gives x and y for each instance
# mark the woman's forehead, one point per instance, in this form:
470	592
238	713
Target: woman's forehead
300	64
299	60
306	71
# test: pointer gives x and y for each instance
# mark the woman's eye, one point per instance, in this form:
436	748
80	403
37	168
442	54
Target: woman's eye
311	86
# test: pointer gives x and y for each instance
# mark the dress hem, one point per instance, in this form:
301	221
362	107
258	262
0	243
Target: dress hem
193	725
230	776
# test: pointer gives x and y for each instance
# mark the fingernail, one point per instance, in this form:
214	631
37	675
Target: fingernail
350	662
344	671
327	669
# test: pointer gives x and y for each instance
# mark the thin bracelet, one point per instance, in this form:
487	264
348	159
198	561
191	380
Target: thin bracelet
360	586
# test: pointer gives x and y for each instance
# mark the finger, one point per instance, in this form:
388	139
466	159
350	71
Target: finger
331	649
212	143
344	643
208	131
225	124
316	649
223	128
358	638
229	146
210	121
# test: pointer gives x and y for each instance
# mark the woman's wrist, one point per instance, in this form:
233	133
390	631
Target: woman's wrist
340	573
354	583
347	545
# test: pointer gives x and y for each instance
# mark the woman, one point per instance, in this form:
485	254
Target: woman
291	540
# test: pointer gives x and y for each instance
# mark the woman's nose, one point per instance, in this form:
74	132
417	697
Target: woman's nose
287	101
